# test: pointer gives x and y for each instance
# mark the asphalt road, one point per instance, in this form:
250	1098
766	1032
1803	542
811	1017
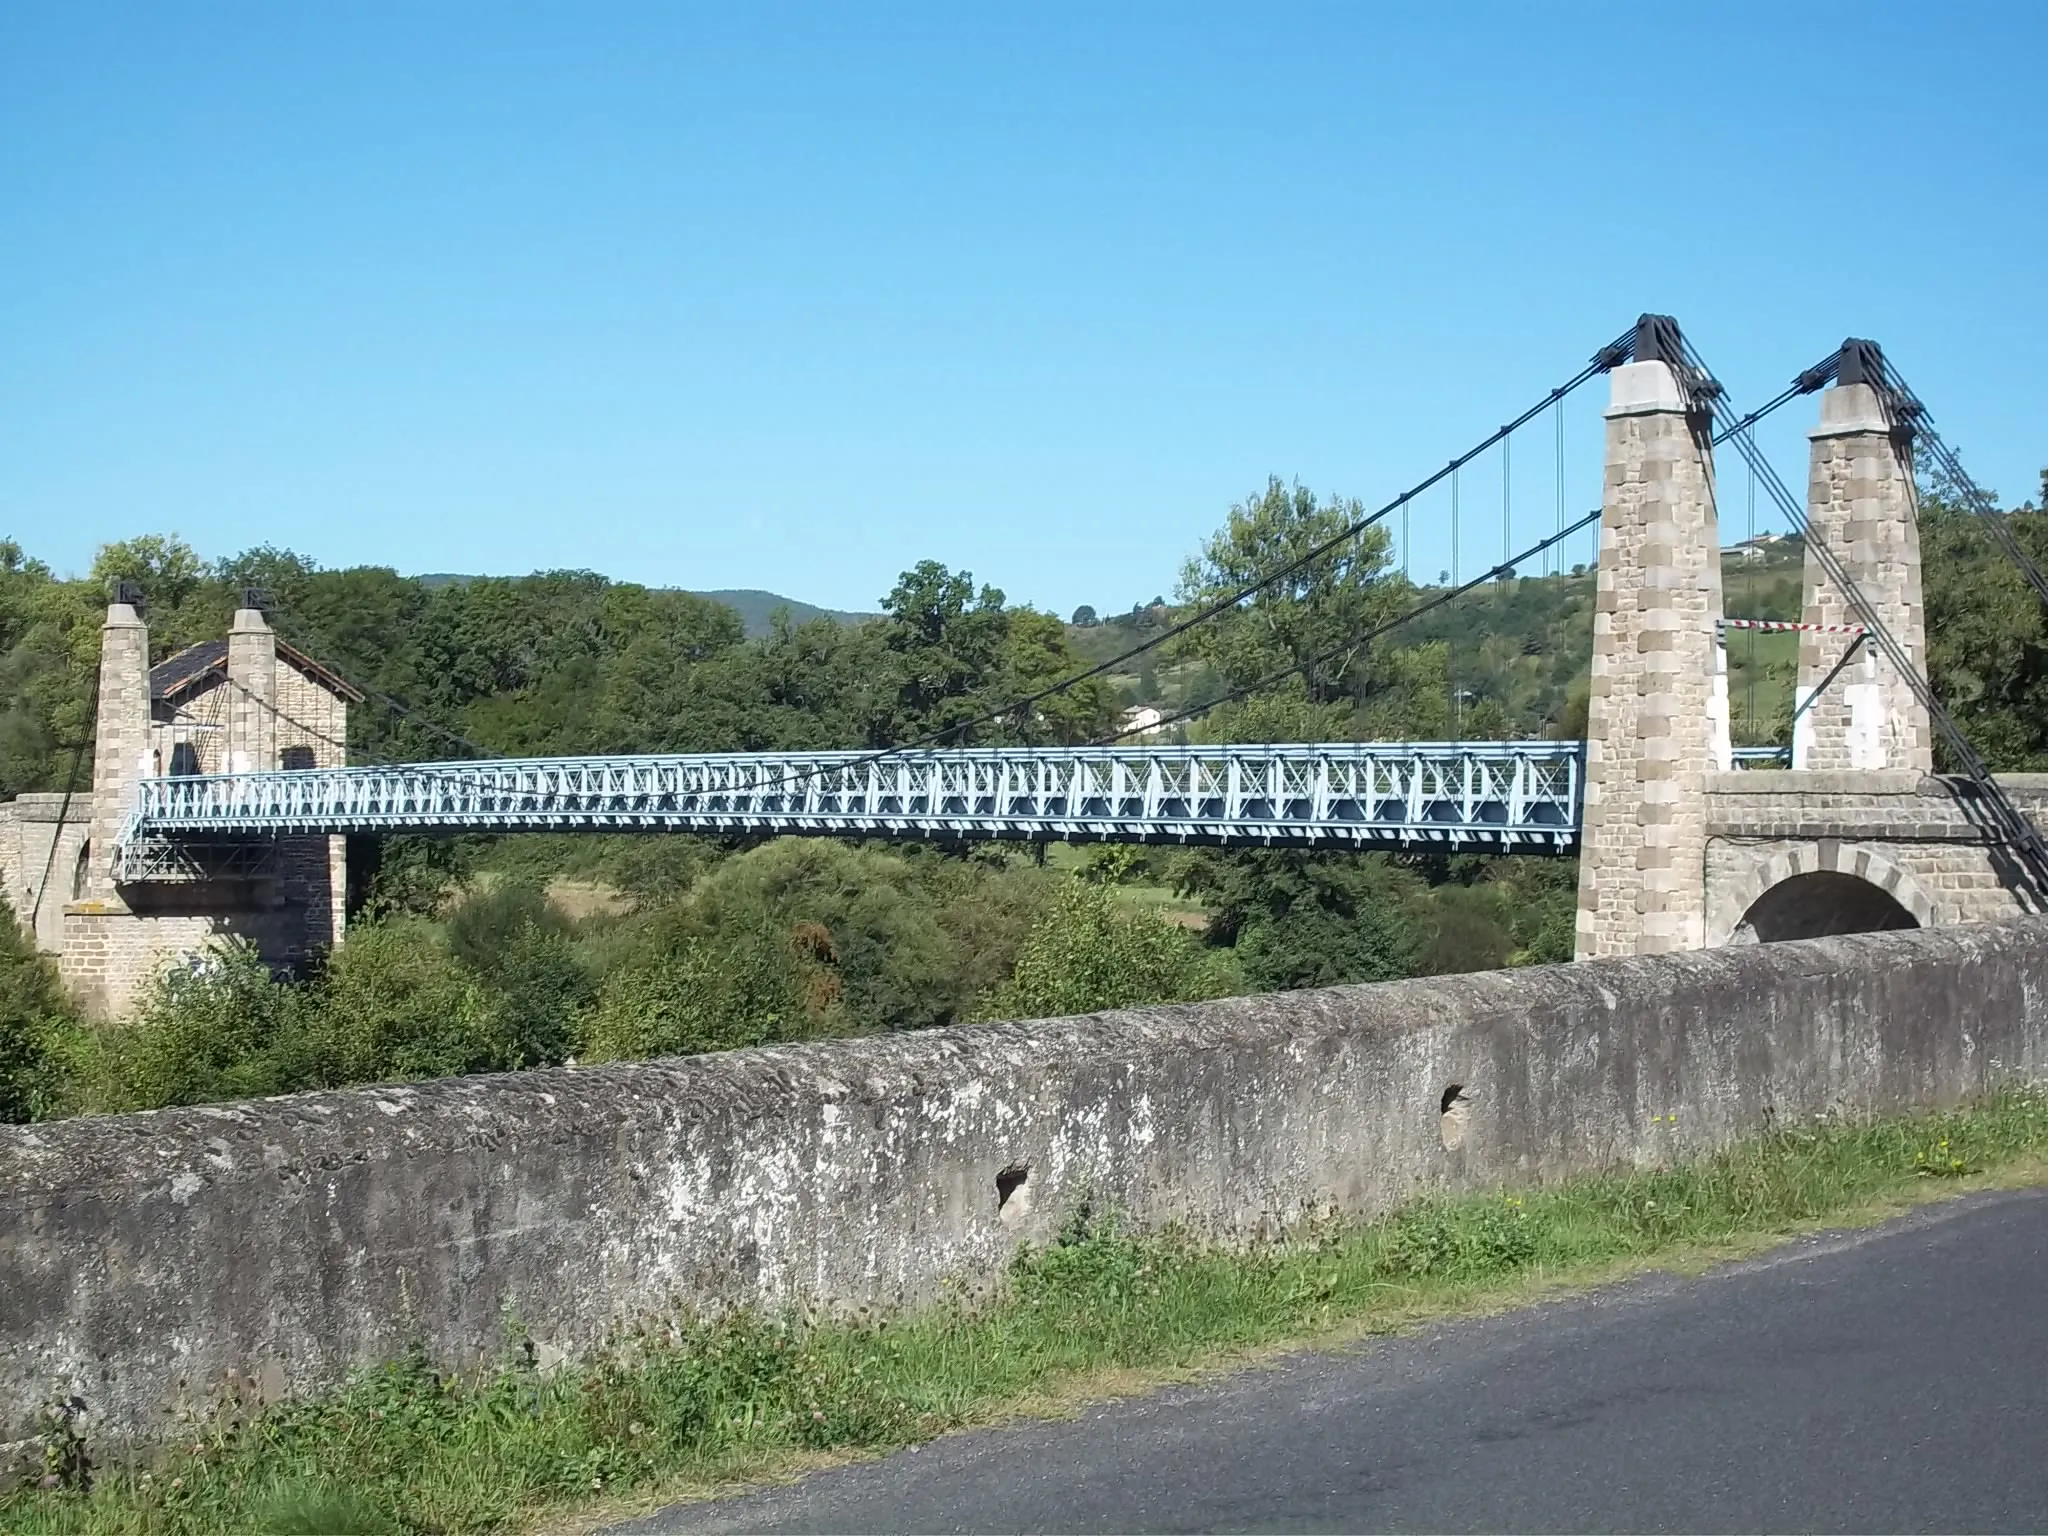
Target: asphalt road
1889	1380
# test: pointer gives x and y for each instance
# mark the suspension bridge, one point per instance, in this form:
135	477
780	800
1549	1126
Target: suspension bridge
222	791
1494	797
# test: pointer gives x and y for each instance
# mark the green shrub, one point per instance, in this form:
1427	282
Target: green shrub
392	1004
1085	955
218	1027
35	1017
745	988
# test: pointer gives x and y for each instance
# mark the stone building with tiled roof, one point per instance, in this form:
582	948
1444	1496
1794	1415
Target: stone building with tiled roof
241	704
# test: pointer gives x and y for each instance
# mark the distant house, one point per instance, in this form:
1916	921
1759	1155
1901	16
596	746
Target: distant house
191	697
1142	720
1759	548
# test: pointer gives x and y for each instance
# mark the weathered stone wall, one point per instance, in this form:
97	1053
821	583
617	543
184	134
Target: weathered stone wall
1910	834
143	1257
1656	722
42	838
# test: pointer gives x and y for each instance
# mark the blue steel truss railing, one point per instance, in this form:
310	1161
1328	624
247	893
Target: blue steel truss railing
1467	796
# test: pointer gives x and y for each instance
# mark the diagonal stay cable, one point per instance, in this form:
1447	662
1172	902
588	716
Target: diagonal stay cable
2005	820
1915	417
1280	675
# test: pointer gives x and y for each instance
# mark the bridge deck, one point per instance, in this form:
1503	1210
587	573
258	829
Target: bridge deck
1457	796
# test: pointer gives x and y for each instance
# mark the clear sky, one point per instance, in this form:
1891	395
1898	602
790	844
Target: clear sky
792	297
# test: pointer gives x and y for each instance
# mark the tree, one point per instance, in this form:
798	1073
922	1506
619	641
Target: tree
1308	620
951	655
165	567
1034	656
1987	643
1084	617
1310	920
943	643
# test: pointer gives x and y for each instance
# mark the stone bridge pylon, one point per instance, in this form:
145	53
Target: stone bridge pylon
1680	850
241	702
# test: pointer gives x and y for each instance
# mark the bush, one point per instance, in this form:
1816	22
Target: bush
217	1027
484	928
34	1017
1311	920
1085	955
745	988
392	1004
896	964
521	949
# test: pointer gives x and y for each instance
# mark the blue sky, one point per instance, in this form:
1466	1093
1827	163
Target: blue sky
792	297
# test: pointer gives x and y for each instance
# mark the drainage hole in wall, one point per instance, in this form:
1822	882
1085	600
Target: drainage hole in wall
1453	1110
1009	1181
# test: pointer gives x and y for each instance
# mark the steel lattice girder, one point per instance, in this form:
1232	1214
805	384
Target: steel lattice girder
1456	796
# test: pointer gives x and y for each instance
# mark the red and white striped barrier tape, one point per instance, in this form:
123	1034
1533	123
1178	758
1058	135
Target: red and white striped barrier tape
1780	624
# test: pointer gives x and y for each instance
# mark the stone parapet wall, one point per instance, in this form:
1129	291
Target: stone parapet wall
1894	803
147	1257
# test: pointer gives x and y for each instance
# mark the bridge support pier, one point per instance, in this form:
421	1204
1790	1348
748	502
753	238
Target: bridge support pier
1861	504
116	936
1655	725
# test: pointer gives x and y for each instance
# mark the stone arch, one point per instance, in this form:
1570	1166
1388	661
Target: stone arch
1869	890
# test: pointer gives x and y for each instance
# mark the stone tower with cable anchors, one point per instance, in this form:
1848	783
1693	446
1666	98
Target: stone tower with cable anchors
1681	849
115	917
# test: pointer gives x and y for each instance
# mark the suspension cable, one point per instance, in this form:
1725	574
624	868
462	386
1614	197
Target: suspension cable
1914	416
2005	819
1449	594
1608	357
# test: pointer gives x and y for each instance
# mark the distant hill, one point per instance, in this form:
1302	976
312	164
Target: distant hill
754	607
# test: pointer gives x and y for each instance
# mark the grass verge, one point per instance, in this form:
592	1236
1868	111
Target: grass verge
682	1406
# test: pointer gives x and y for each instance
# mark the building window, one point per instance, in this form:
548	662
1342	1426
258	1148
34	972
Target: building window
184	757
299	757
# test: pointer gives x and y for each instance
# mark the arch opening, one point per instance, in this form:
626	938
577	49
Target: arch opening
1818	904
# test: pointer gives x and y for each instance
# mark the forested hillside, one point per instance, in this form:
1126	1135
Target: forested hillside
468	955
